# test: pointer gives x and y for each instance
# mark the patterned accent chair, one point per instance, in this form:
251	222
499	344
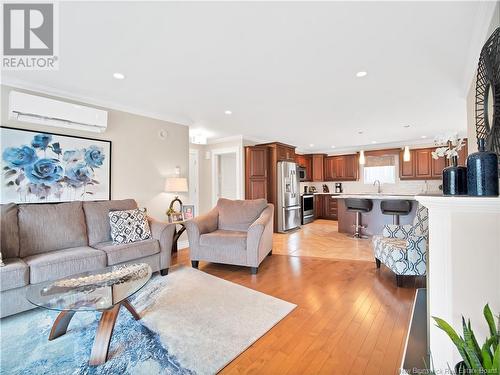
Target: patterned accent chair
403	248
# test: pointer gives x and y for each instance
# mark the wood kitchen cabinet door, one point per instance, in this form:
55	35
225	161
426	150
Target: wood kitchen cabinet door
407	168
329	166
330	208
256	172
338	168
437	167
318	206
423	163
351	168
317	167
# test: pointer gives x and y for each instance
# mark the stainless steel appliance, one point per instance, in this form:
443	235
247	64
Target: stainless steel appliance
288	196
338	187
302	173
307	208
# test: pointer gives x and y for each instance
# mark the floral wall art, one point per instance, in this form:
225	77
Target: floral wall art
44	167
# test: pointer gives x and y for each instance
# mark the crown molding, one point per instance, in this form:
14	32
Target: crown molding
103	104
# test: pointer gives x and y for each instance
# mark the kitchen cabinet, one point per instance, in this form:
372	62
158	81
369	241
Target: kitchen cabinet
423	163
285	152
325	207
330	208
256	172
317	167
341	168
305	161
318	206
423	167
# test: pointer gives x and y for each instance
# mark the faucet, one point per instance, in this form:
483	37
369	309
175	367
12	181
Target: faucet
377	182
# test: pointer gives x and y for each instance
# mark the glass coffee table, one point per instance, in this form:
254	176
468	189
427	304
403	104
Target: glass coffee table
105	290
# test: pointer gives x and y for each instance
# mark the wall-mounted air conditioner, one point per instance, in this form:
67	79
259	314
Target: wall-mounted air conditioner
44	111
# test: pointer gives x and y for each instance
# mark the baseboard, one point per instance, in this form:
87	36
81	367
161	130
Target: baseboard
183	244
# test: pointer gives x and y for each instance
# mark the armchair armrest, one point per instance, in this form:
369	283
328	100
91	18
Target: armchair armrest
200	225
260	237
164	233
397	231
416	252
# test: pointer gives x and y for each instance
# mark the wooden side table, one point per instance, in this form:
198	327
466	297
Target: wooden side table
177	233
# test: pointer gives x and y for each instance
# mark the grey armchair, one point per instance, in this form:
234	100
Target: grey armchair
238	232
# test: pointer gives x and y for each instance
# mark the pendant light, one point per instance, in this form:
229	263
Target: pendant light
406	154
362	160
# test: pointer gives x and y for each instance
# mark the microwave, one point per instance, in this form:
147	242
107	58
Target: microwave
302	173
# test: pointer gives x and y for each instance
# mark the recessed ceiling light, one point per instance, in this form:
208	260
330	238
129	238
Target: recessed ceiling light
228	112
423	136
374	142
311	144
360	131
118	75
361	74
332	146
406	126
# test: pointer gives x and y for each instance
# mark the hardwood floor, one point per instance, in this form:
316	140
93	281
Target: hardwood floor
321	239
350	317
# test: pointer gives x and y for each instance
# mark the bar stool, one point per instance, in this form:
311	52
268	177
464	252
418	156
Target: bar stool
359	206
396	208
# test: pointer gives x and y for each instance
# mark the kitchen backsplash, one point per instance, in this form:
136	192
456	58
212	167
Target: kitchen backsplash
400	187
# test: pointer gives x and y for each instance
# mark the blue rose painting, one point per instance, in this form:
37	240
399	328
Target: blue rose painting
40	167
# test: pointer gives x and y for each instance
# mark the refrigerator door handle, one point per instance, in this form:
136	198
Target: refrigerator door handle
291	208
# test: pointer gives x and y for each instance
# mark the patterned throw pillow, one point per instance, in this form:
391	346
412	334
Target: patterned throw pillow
129	226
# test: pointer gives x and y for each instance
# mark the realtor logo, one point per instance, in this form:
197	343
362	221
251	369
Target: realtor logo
29	32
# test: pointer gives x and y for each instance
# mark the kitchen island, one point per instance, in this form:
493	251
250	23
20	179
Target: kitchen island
375	219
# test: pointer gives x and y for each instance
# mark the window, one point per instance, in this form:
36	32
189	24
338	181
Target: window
382	168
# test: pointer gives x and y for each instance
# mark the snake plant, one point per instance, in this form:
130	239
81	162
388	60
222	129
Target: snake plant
477	359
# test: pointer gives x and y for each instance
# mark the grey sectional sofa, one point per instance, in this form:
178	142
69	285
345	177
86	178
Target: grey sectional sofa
41	242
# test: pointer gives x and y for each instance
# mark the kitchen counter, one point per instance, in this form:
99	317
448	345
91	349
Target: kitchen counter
370	195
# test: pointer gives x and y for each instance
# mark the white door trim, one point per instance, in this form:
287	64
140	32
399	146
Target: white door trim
220	151
193	151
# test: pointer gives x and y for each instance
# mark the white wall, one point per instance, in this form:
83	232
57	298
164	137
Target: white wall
205	165
140	159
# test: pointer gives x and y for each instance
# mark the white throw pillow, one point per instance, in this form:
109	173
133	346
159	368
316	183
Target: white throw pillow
129	226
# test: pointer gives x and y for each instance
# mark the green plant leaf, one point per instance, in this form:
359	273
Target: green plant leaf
490	319
495	368
487	357
469	338
455	338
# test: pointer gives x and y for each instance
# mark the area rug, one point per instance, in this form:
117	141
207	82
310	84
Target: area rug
192	323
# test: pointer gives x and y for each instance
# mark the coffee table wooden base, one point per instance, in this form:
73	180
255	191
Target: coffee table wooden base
100	350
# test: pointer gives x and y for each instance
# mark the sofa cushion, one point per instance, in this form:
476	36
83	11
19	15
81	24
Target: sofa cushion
9	235
129	226
239	214
57	264
96	215
128	251
48	227
225	238
14	274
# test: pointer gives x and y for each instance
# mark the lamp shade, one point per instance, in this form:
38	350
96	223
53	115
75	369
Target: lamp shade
176	185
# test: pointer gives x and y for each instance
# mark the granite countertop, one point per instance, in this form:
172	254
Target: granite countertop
376	195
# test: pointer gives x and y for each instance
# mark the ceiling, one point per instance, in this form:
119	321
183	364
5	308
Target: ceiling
287	71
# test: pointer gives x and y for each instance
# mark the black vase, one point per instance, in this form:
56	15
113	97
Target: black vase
482	172
455	178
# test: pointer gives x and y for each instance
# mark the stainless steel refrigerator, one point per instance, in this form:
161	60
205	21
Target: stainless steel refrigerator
288	196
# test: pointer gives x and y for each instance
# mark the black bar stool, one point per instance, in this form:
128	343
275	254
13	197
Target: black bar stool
359	206
396	208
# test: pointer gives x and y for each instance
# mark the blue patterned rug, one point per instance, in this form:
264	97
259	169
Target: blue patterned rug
134	349
191	323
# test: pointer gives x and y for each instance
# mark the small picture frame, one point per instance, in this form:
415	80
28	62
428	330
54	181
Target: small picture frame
175	216
188	211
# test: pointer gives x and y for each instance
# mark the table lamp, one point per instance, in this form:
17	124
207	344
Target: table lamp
175	185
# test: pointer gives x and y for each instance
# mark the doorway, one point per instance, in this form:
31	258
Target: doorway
226	173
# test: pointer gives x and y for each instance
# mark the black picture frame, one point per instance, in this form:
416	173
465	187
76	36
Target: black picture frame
109	142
